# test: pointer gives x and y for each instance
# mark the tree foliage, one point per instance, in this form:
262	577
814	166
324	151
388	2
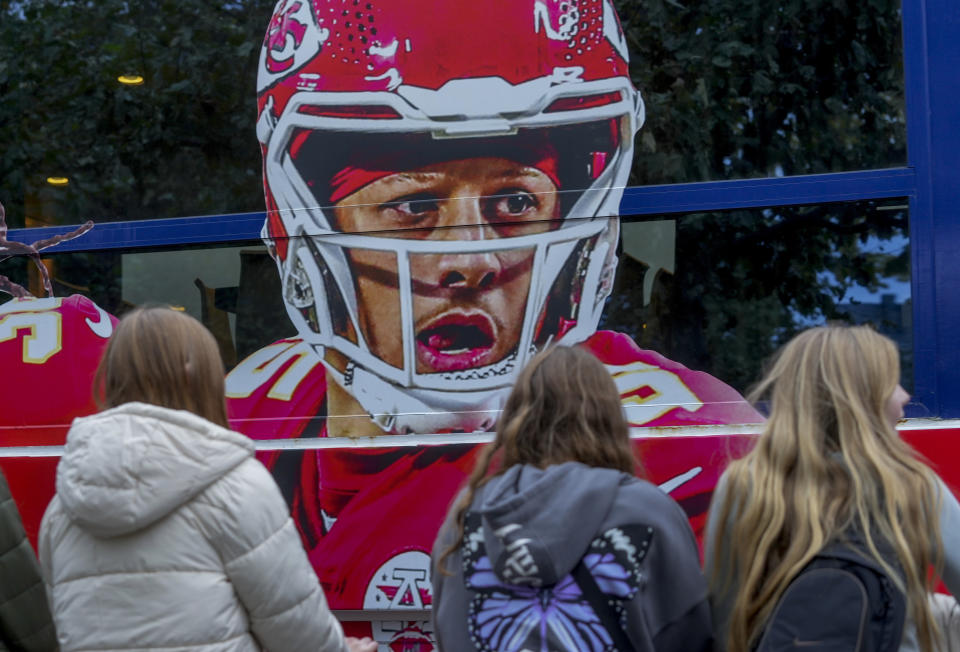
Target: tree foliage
182	143
746	89
763	88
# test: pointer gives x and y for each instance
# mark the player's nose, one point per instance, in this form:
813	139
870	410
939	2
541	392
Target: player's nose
463	221
476	270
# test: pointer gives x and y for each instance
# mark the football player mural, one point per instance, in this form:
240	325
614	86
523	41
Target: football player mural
442	183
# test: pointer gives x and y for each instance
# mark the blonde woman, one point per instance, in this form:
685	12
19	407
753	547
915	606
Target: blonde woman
166	532
555	544
829	463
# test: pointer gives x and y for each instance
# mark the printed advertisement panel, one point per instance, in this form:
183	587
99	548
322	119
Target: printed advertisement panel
437	213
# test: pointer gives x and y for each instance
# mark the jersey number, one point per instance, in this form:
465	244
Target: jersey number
43	338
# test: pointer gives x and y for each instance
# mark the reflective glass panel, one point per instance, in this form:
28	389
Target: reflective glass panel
720	292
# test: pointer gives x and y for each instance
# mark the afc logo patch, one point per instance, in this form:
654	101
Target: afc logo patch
402	583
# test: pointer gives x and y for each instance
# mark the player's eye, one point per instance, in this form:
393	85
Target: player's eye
416	205
414	210
516	204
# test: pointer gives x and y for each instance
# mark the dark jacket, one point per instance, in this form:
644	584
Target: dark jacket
513	583
25	622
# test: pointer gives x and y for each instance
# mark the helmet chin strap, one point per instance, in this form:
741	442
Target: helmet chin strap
404	411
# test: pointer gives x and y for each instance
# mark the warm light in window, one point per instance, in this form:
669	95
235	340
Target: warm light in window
58	181
130	80
178	308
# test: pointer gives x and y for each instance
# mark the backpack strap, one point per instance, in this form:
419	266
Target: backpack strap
602	606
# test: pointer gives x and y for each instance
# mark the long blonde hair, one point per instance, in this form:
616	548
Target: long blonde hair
163	357
828	460
564	407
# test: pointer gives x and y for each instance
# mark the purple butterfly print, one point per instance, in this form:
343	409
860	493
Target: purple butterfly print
612	578
512	617
518	617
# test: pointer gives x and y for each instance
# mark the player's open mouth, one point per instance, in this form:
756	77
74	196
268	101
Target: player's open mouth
456	341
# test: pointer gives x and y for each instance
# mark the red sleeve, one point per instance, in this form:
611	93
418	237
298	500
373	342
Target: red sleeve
49	352
659	392
279	392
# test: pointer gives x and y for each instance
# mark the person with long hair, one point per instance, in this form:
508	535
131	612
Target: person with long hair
165	531
829	467
555	543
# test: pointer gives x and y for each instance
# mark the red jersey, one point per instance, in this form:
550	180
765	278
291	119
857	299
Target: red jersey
368	517
49	351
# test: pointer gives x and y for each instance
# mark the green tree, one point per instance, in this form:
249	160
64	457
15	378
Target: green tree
182	143
746	89
753	89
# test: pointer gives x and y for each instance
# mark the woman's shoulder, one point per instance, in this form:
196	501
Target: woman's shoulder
634	486
641	499
242	508
248	483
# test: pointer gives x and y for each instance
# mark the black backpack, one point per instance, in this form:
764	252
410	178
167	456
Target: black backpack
842	601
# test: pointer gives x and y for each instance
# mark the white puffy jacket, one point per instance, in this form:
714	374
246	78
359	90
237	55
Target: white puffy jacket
167	533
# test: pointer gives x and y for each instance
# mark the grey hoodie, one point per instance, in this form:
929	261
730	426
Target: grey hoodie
511	583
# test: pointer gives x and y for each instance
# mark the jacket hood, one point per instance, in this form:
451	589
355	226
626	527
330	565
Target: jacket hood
538	523
125	468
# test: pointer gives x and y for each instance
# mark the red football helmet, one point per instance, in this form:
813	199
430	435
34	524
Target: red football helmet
431	80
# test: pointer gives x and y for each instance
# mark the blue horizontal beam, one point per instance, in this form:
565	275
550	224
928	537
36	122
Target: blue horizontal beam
174	231
772	191
637	200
